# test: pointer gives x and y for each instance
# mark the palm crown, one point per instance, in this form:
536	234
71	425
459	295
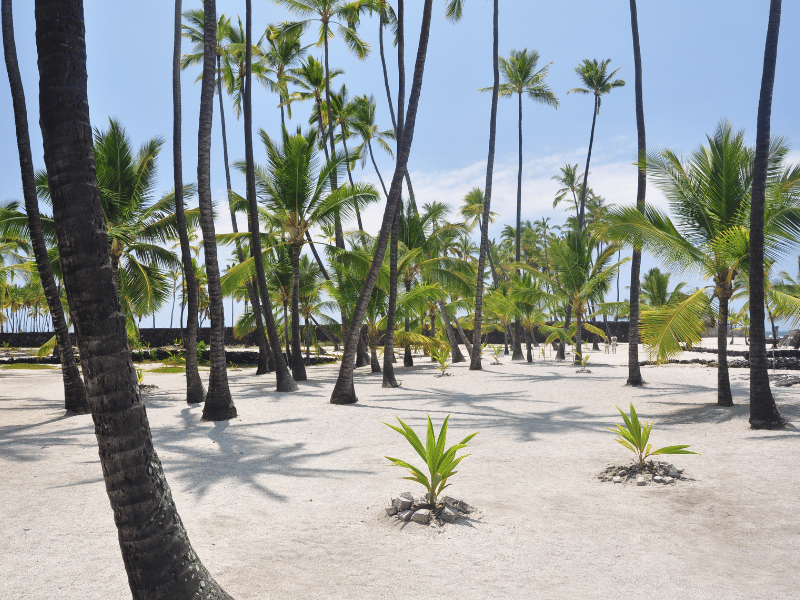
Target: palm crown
594	76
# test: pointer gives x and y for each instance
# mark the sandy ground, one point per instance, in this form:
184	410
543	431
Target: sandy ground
287	501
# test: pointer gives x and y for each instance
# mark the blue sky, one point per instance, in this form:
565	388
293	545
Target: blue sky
701	61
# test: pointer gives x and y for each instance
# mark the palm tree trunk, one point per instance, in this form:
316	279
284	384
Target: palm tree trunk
516	348
463	335
528	336
724	397
475	364
455	351
195	392
389	380
263	350
578	355
634	373
344	391
763	411
373	356
350	177
586	172
298	368
156	552
283	378
329	335
286	334
334	183
75	400
219	403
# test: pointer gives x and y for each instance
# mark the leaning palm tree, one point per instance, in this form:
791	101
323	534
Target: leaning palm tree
763	412
710	196
161	560
521	77
75	400
219	404
299	198
598	83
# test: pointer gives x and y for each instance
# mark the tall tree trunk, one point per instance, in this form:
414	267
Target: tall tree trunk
763	411
634	373
344	391
373	357
283	379
389	380
724	397
298	367
350	176
581	219
219	403
75	400
463	335
578	355
455	351
263	350
195	392
528	336
331	129
475	364
516	348
158	557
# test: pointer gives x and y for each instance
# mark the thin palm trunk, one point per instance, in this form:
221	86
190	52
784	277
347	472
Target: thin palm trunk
156	552
344	391
286	333
475	364
724	397
283	378
634	373
578	338
350	177
516	348
75	400
463	335
219	403
389	380
586	171
298	367
334	183
263	350
763	411
195	392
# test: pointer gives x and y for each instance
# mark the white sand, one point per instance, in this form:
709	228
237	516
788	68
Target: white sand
287	500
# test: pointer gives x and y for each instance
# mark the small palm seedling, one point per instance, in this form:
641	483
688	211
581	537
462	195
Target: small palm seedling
234	366
175	359
140	375
440	462
440	355
543	356
634	436
496	357
584	358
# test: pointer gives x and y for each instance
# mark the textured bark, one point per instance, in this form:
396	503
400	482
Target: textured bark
475	363
389	380
263	349
298	366
75	400
219	403
634	373
283	379
516	346
581	220
156	551
724	397
463	335
528	346
344	391
763	411
373	358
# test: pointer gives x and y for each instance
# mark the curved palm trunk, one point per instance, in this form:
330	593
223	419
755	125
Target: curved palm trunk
463	335
475	364
158	557
75	400
344	391
263	350
298	367
455	351
389	380
283	378
634	373
516	347
763	412
219	403
724	397
586	171
350	177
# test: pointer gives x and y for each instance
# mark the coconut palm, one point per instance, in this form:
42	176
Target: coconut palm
281	54
656	292
521	77
709	195
763	412
75	400
137	488
597	82
299	198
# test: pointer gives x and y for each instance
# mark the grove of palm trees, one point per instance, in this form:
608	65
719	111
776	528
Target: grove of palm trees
357	226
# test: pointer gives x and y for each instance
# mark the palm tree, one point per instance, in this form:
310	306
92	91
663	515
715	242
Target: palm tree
75	400
277	60
634	373
570	180
521	77
299	198
655	290
475	363
710	196
763	412
140	497
219	404
597	82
